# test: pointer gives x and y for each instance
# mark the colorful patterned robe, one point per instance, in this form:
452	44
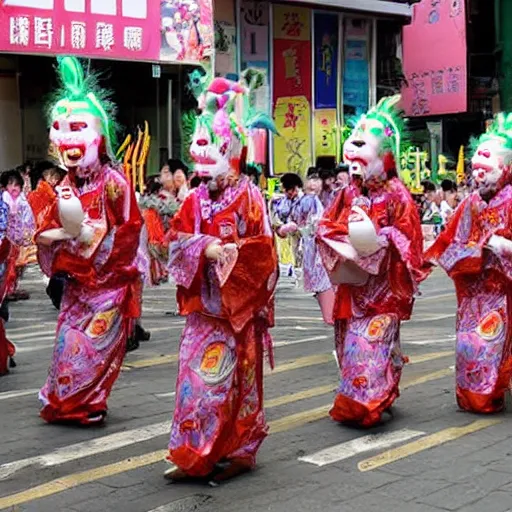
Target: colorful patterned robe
101	298
483	281
16	229
367	330
229	308
21	252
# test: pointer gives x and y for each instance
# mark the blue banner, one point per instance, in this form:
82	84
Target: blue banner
356	81
326	60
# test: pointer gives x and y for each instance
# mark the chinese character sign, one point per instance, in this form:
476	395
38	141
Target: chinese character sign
186	30
120	29
435	54
292	149
326	136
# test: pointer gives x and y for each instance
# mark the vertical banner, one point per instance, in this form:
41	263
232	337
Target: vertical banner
292	87
292	149
356	73
435	54
326	137
326	60
225	37
255	36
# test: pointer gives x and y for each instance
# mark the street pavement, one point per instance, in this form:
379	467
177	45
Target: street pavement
428	457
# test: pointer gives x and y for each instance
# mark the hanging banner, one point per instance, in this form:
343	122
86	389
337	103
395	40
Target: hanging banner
255	31
326	60
292	68
325	133
110	29
186	30
292	23
435	54
356	75
292	149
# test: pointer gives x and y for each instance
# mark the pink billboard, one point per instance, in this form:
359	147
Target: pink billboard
109	29
435	55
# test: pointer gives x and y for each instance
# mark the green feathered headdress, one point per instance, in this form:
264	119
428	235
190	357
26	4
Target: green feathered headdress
80	93
385	121
500	128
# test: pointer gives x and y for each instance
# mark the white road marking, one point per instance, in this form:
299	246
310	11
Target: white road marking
32	335
166	395
6	395
415	319
298	342
24	350
423	298
360	445
439	341
301	318
88	448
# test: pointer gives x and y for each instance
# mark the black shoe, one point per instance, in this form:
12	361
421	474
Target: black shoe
141	334
132	344
12	363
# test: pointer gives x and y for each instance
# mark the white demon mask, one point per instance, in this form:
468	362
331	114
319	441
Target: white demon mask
373	148
491	165
218	138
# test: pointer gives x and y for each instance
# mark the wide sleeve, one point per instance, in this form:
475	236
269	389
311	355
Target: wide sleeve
187	244
119	248
332	232
405	238
249	287
459	249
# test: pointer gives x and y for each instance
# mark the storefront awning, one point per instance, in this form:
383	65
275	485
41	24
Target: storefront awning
369	6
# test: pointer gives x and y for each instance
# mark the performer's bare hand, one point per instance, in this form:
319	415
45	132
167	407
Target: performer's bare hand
49	236
214	251
499	245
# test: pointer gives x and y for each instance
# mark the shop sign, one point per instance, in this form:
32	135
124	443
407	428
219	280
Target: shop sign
111	29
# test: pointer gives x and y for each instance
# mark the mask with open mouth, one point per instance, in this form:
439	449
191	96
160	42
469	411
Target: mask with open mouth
224	128
373	148
80	127
492	158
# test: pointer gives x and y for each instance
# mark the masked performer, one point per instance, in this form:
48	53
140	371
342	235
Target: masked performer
372	246
476	252
91	234
224	263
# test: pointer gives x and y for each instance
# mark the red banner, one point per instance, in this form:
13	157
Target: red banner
292	68
109	29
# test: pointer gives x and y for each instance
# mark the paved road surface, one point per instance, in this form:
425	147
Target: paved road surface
429	457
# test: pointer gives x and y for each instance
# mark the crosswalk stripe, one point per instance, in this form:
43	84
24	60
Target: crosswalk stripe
32	335
425	443
18	394
359	445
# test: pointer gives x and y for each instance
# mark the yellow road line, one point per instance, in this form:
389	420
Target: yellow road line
299	419
301	395
280	425
425	443
70	481
430	356
155	361
301	362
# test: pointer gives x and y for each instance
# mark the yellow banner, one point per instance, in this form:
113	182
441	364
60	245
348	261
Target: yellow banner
292	22
326	139
292	149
